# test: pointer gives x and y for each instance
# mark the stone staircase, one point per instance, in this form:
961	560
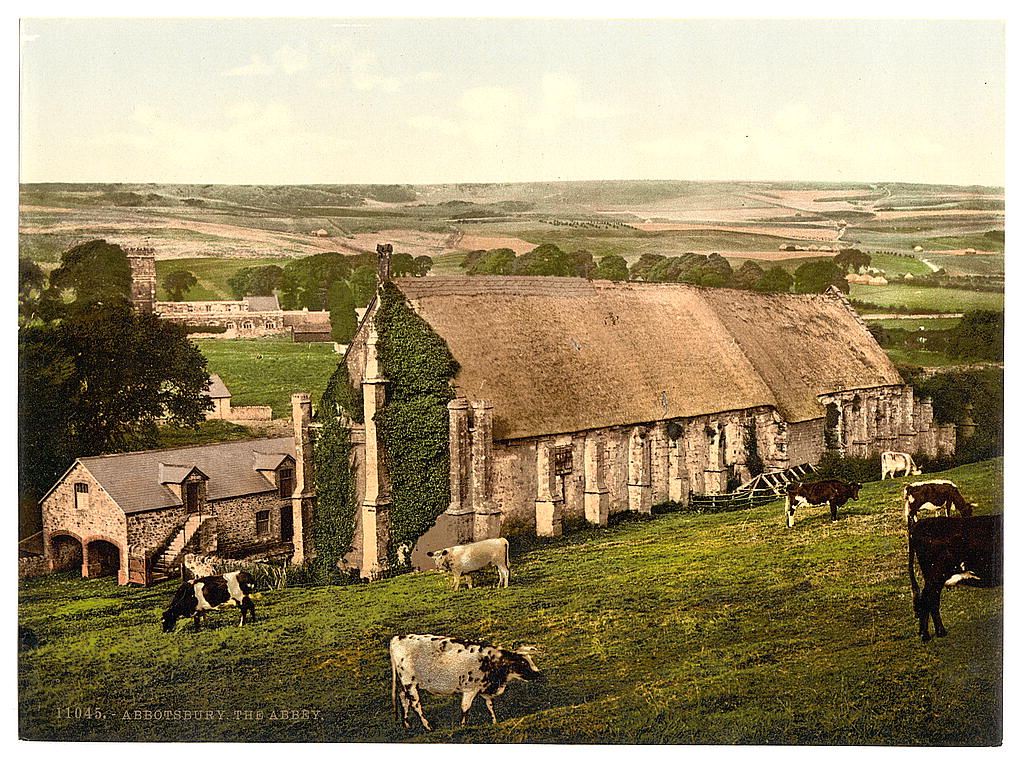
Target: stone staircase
167	564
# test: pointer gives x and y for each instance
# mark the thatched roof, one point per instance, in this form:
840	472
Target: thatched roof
557	354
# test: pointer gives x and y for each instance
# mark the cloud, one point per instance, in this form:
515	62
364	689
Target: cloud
428	77
561	102
286	59
434	123
365	70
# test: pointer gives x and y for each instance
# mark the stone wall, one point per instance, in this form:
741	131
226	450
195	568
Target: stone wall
30	567
149	530
236	521
101	517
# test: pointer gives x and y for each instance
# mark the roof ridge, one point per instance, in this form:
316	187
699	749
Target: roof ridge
154	450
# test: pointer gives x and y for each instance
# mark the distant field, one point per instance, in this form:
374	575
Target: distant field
212	273
898	265
927	299
968	263
942	323
269	371
920	358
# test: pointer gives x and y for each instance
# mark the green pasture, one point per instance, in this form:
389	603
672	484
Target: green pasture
267	371
927	299
212	275
940	323
969	263
728	628
898	265
921	358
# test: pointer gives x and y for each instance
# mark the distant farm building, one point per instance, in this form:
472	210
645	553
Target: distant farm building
223	410
251	317
578	398
319	233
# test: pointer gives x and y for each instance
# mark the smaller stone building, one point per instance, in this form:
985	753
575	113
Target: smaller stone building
137	514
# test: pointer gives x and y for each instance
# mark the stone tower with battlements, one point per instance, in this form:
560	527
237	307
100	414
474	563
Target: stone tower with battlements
143	264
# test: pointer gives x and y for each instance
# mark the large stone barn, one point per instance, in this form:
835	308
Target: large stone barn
576	399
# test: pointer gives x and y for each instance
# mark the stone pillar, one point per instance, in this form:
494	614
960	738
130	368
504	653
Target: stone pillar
736	450
376	506
486	515
460	509
303	494
595	492
678	476
549	498
715	474
639	474
908	434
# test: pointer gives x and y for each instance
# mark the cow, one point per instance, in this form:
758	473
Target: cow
933	494
196	597
444	666
894	462
952	552
474	556
834	492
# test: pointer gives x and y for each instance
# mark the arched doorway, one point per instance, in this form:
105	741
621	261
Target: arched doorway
65	553
102	558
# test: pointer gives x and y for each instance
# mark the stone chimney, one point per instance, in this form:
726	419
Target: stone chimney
383	263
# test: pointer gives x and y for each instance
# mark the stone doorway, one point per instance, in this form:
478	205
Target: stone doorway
102	558
65	553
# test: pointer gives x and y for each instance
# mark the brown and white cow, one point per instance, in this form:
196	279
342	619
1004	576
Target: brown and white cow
892	463
953	552
196	597
470	557
444	666
933	494
834	492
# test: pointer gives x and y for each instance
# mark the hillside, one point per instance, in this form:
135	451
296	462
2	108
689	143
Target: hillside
725	628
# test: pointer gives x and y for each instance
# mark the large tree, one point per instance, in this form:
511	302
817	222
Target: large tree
342	306
612	267
775	280
178	283
305	281
96	381
256	281
978	336
816	276
91	274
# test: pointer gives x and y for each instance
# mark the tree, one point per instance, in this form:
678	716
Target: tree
643	265
342	306
775	280
96	381
422	265
93	273
494	261
178	283
364	284
817	276
305	281
256	281
852	260
978	336
402	265
31	285
748	275
545	260
612	268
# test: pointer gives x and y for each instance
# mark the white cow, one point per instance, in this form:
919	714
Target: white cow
474	556
445	666
898	462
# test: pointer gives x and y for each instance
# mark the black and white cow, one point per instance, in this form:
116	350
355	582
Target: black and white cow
933	494
834	492
445	666
953	552
196	597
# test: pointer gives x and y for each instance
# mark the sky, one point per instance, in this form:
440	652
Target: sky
420	101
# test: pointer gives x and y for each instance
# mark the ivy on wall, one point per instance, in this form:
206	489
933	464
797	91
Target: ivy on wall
334	513
413	424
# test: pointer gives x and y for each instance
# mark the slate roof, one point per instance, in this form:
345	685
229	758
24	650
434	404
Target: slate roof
217	388
556	355
133	480
262	303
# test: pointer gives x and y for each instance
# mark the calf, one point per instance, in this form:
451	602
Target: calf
934	494
444	666
195	598
952	552
474	556
834	492
894	462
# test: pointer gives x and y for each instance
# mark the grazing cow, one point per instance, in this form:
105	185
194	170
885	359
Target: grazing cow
934	494
474	556
834	492
195	598
898	462
444	666
952	552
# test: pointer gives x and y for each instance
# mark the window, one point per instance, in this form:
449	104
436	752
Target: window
246	325
286	481
81	495
561	460
263	522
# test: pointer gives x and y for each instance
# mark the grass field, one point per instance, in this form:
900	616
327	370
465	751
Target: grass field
927	299
266	371
212	274
898	265
941	323
921	358
724	628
